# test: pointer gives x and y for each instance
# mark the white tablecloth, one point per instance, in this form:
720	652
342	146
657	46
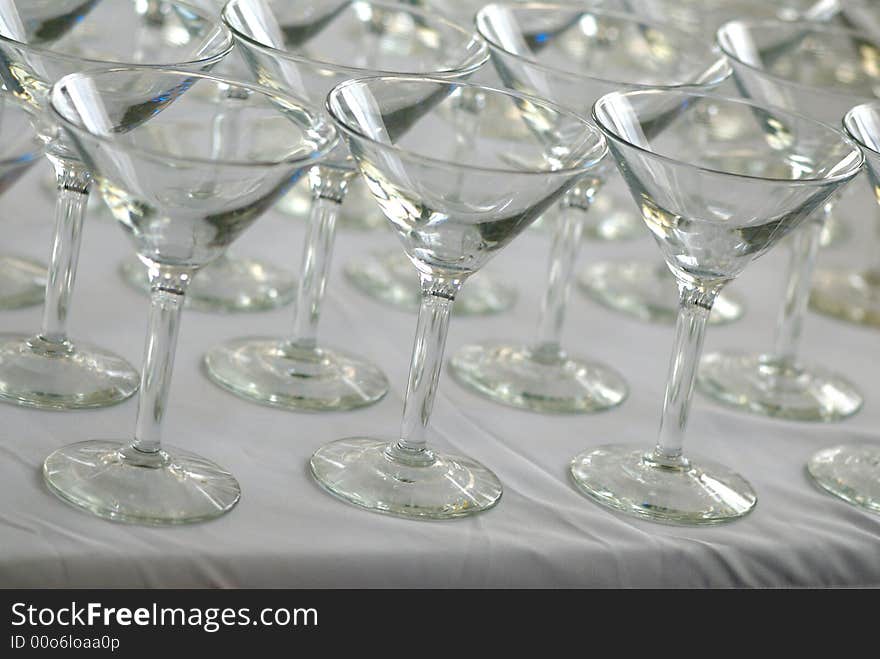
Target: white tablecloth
287	532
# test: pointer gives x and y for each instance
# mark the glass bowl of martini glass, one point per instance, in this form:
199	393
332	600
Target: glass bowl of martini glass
452	209
182	193
39	43
307	48
712	208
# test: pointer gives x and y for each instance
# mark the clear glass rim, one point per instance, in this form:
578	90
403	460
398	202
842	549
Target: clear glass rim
807	26
325	130
613	135
584	167
849	119
724	69
227	46
25	154
466	67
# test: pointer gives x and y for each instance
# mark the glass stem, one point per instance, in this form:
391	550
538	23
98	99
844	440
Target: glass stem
73	182
563	258
804	249
167	291
438	296
328	193
693	313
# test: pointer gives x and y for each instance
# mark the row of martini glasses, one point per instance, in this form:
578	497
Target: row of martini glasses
571	63
118	127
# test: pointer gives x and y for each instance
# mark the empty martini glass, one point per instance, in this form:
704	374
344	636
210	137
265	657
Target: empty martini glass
39	43
231	283
572	55
452	209
845	292
852	471
22	280
182	202
712	208
308	47
821	71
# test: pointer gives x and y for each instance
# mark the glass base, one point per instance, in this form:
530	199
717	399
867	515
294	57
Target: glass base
228	284
22	282
430	485
763	385
62	376
390	278
631	481
848	295
851	473
530	379
114	481
276	373
648	292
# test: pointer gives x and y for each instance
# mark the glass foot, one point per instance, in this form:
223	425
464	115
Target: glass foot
849	472
277	373
228	285
847	294
390	278
22	282
540	381
648	292
631	481
62	376
114	481
763	385
431	485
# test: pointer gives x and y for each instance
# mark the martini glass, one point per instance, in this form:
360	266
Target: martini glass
844	292
21	280
231	283
821	71
852	471
182	202
39	43
712	208
308	47
571	55
453	209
